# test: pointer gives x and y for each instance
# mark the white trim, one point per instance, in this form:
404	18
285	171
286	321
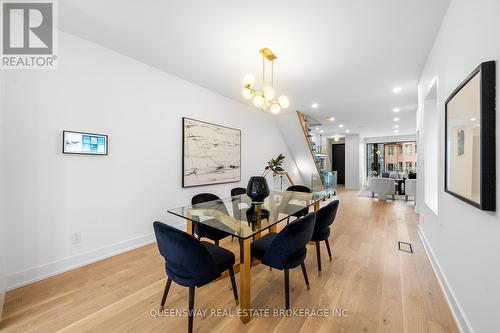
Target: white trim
457	311
44	271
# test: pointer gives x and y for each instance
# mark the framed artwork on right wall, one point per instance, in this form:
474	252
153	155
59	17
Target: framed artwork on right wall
470	157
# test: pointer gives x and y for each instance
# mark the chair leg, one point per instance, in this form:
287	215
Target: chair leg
373	195
305	275
217	242
287	290
288	220
406	198
191	309
328	248
318	257
165	293
233	285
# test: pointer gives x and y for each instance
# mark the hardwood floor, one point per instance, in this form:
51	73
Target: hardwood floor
374	287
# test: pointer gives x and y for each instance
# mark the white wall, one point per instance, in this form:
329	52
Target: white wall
429	149
463	241
111	200
3	249
352	160
292	131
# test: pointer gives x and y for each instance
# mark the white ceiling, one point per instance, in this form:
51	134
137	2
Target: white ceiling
344	55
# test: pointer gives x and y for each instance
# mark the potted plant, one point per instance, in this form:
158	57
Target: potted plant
275	165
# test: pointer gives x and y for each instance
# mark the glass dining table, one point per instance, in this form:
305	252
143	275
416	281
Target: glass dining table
246	220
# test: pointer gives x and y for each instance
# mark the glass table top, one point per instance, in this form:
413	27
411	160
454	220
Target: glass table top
239	217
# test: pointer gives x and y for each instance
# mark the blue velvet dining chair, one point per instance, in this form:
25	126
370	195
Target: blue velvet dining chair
287	249
238	212
206	231
191	263
302	189
238	191
324	218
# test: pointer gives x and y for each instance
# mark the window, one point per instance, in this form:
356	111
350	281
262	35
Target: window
408	166
409	149
392	156
390	150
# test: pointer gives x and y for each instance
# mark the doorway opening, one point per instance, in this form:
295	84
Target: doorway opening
338	161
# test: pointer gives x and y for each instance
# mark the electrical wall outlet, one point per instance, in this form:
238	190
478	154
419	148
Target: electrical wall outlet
76	238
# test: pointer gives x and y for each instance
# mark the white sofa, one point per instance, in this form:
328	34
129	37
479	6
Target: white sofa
383	187
411	188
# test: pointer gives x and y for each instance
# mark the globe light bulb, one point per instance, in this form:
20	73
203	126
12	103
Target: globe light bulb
336	139
284	102
258	101
247	93
248	79
269	93
275	108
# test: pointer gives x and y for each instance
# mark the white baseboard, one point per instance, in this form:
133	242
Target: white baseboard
44	271
457	311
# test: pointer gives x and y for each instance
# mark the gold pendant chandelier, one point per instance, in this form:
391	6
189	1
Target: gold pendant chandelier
265	98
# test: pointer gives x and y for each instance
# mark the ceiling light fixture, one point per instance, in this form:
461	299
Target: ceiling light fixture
336	139
347	131
397	90
395	109
330	118
396	126
314	105
472	119
396	132
341	125
265	98
396	119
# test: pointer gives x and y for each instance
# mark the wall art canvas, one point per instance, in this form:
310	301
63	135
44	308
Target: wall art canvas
461	140
211	153
84	143
470	173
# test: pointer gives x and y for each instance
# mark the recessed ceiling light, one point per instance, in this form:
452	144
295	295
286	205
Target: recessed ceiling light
347	131
396	119
341	125
472	119
330	118
395	109
336	139
397	90
321	131
317	128
396	126
314	105
396	132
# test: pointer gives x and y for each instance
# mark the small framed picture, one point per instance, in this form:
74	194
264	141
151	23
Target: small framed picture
84	143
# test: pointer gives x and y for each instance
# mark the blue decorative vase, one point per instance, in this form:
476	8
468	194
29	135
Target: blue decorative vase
257	189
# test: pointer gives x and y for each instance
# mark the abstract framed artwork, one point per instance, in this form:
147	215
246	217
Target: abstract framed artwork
83	143
211	154
470	156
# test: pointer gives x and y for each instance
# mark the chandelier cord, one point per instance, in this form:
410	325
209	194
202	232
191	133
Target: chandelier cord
263	71
272	73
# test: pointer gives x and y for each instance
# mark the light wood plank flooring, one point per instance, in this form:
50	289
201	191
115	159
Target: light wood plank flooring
379	288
